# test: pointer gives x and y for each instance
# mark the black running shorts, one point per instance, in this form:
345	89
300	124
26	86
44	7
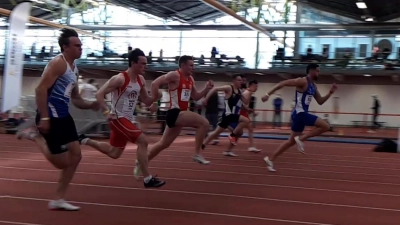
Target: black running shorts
62	131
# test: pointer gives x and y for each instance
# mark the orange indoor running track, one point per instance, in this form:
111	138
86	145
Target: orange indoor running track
334	184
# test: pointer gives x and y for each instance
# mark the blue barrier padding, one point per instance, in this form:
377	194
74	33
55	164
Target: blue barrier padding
316	139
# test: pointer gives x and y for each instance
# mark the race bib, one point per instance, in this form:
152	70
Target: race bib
185	95
308	99
130	105
68	89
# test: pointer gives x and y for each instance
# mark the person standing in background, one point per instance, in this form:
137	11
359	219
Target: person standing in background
163	106
375	113
277	120
212	112
88	90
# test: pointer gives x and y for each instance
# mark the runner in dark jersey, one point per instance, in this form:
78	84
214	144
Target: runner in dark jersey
234	98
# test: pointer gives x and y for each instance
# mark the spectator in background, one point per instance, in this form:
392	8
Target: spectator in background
375	113
277	120
88	90
214	52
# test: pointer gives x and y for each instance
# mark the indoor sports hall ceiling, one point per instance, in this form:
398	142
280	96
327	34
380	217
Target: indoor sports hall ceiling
185	11
378	10
195	11
45	9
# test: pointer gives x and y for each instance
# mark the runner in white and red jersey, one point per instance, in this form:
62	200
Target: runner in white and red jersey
182	88
126	88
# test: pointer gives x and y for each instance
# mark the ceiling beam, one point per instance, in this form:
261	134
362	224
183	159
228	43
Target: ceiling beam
388	17
326	8
222	8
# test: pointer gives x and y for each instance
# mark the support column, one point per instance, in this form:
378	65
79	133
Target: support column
180	43
297	40
70	11
372	36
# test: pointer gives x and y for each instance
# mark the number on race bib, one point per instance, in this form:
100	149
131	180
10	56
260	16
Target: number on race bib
185	95
308	99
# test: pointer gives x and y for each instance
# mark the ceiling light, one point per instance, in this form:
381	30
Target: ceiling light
361	5
369	19
367	75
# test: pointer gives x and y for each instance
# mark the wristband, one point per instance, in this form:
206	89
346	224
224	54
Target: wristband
45	118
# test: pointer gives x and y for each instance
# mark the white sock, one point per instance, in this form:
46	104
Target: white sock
147	179
84	141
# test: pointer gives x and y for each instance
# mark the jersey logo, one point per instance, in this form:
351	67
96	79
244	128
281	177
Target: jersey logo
132	95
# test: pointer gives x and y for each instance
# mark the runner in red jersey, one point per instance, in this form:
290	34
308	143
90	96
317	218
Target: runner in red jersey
182	88
126	88
248	111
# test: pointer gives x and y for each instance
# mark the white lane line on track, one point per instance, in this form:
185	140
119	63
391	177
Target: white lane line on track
18	223
264	143
174	210
214	194
257	157
231	172
220	182
262	167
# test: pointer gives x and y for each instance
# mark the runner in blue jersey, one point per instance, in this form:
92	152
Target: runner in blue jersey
55	131
234	98
306	90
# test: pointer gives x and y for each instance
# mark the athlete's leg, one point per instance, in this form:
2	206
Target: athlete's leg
213	136
228	151
321	126
251	142
61	148
169	135
190	119
281	149
297	127
183	119
32	134
122	131
242	123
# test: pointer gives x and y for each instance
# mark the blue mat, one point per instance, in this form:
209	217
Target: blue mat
316	139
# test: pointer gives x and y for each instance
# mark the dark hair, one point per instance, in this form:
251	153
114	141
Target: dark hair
184	59
134	56
63	39
311	66
91	81
234	76
253	82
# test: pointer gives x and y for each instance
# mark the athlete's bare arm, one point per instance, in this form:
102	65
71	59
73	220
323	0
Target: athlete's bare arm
321	100
198	95
112	84
246	96
171	78
54	69
225	88
144	95
299	83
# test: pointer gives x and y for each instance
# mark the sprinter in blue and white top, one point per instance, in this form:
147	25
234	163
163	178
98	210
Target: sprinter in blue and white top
55	132
59	95
306	90
303	101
